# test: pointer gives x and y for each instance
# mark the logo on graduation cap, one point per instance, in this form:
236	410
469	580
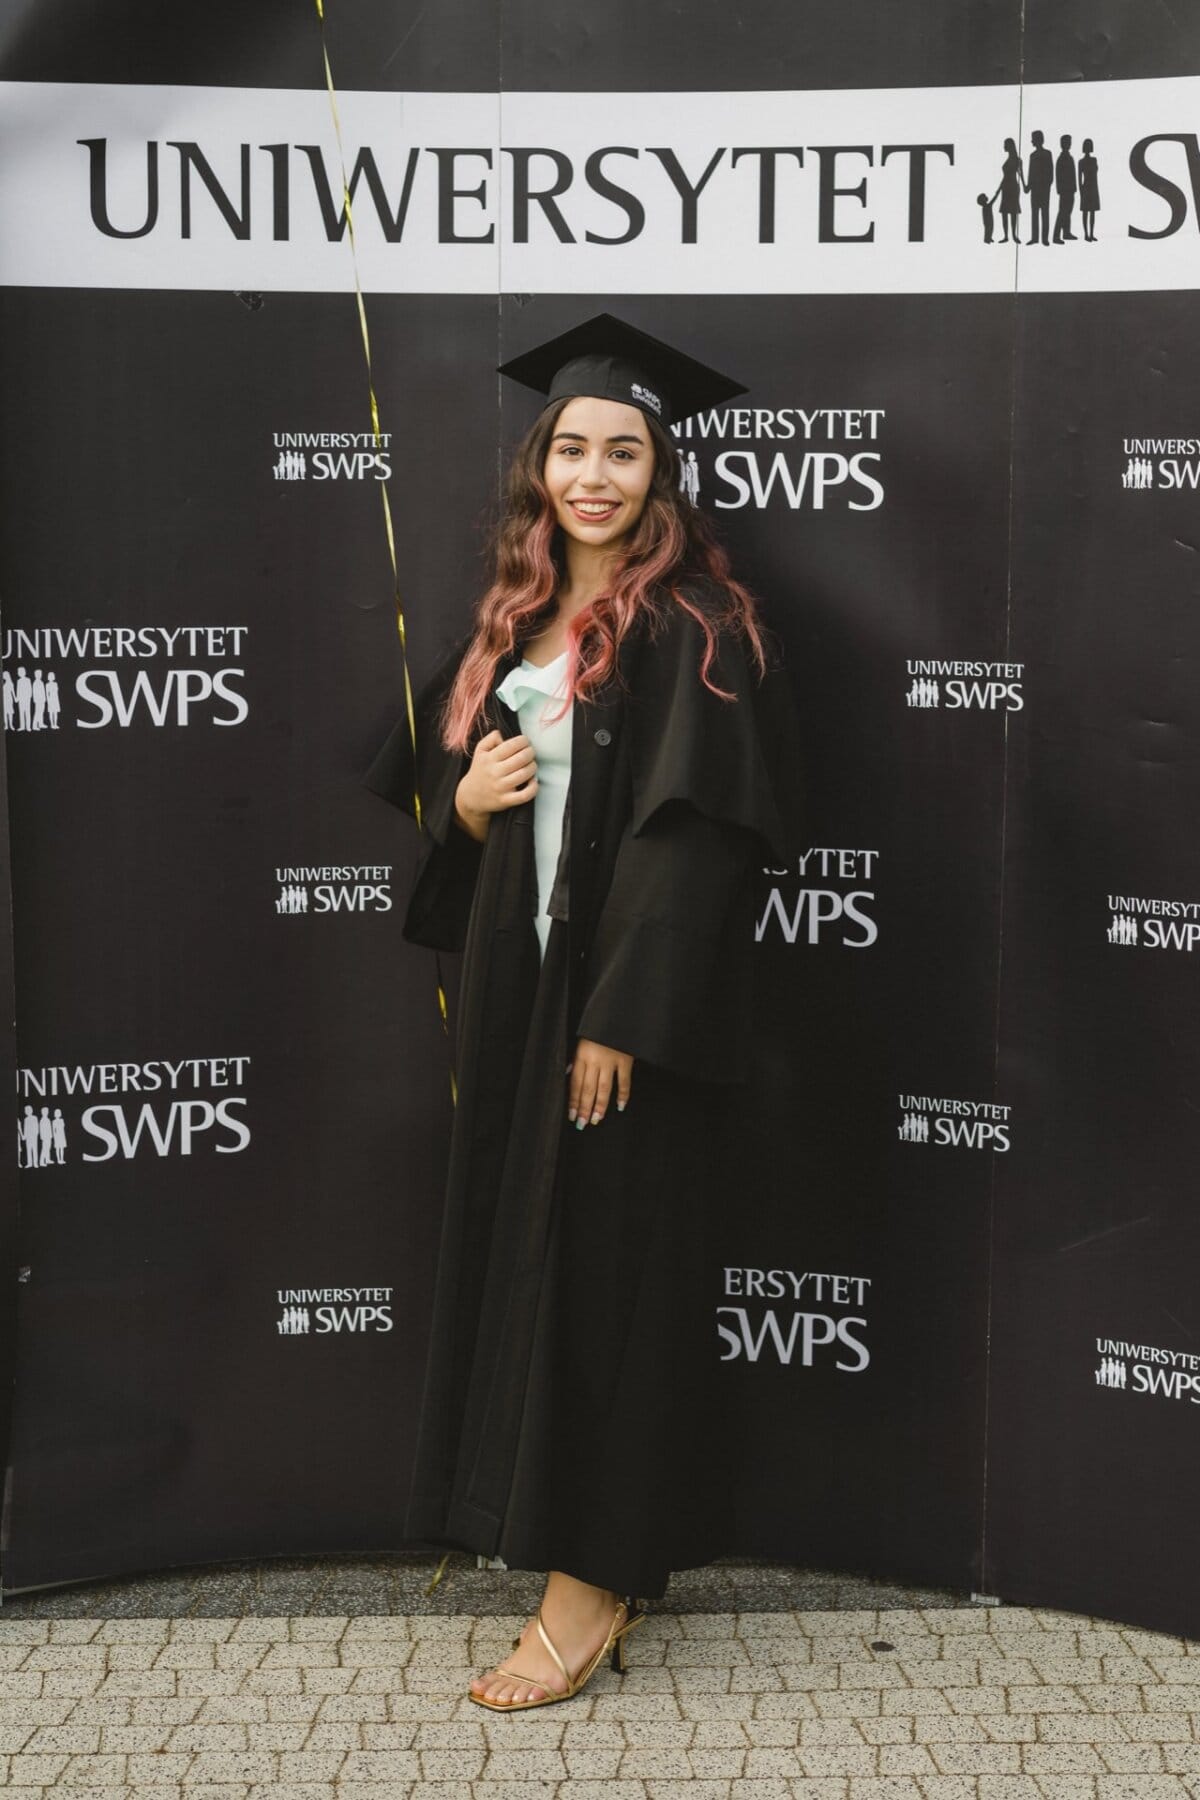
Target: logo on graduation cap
606	358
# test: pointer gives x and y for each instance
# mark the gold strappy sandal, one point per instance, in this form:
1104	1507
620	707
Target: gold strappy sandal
613	1647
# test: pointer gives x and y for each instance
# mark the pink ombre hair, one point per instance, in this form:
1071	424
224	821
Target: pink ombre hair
671	544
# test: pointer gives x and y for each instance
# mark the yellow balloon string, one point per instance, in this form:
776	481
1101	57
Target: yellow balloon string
383	491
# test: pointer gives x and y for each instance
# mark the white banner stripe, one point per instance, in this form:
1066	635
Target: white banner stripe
841	191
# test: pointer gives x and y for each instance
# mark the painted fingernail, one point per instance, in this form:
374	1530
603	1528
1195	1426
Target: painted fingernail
571	1115
580	1122
596	1117
620	1106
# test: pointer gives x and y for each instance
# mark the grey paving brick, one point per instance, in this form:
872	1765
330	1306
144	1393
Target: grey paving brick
134	1656
395	1734
277	1734
379	1765
229	1709
155	1770
1141	1787
1060	1759
134	1737
94	1771
933	1728
842	1759
209	1734
1125	1758
658	1762
1013	1728
593	1765
173	1710
906	1759
35	1771
977	1758
290	1790
310	1765
326	1629
17	1682
232	1765
75	1739
720	1734
56	1655
78	1682
717	1765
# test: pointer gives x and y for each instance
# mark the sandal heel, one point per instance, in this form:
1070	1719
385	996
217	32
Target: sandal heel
617	1659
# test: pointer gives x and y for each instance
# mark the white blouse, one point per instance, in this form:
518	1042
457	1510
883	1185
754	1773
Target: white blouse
533	692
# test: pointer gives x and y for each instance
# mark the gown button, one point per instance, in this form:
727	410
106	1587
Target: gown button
602	736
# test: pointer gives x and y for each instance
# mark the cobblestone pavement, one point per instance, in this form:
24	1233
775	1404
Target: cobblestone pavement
892	1702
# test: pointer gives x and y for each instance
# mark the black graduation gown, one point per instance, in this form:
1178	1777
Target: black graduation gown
569	1396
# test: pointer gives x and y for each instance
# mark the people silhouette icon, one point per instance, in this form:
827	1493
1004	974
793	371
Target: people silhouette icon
1012	180
45	1126
1089	190
27	1140
1066	183
1041	180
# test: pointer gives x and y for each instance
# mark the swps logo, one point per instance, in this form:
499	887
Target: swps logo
317	456
1147	1369
1140	923
105	1112
1160	464
785	457
964	686
955	1124
307	888
832	903
318	1312
156	675
811	1326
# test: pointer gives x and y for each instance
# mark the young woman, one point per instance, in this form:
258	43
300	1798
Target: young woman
605	761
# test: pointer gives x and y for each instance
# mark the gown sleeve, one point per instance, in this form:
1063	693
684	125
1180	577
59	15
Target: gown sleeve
715	796
443	883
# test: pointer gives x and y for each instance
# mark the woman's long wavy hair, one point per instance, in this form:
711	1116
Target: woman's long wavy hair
671	543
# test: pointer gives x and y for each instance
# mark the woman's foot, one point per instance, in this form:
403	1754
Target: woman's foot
578	1617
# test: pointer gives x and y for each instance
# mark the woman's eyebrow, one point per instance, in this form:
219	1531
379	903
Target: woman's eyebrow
625	437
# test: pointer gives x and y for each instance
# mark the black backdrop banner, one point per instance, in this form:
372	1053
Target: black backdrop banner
955	1338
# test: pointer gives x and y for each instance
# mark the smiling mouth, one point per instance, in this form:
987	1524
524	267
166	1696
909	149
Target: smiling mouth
598	510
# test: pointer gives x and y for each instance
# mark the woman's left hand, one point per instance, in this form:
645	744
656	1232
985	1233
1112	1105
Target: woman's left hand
592	1074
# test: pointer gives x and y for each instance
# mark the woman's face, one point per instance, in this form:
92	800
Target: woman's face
598	469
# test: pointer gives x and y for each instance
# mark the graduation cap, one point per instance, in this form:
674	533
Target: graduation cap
611	360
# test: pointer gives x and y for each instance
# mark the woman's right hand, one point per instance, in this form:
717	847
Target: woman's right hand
503	773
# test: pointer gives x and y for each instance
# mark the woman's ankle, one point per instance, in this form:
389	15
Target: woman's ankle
570	1592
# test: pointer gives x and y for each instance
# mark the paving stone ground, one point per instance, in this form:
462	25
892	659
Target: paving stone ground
941	1700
